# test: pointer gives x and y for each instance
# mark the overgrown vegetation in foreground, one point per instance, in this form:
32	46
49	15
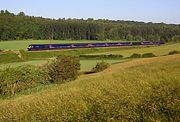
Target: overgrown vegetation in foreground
142	90
61	69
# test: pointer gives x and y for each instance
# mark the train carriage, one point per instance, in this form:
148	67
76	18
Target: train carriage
37	47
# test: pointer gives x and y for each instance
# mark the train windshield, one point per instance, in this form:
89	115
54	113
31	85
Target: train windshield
30	46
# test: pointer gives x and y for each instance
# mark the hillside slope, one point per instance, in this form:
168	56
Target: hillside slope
140	90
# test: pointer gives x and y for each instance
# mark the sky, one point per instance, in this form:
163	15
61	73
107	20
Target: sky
167	11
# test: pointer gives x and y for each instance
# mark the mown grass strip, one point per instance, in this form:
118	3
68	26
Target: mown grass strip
9	58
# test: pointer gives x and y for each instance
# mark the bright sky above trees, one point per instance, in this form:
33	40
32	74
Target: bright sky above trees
167	11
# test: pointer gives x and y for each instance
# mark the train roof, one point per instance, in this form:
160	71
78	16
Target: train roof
85	43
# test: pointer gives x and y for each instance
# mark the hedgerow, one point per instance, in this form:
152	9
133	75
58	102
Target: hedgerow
174	52
135	55
148	55
111	56
14	80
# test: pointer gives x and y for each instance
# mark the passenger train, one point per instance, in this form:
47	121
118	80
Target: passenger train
39	47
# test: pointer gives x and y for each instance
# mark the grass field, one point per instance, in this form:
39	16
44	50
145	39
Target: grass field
157	50
140	90
40	58
8	58
86	65
23	44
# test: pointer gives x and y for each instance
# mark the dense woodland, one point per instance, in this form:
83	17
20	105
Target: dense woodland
21	26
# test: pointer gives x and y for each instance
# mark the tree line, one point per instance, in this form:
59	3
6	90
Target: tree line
21	26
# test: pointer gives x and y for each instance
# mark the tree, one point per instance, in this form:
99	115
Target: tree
2	11
176	38
153	38
129	37
28	27
21	14
5	35
7	12
64	68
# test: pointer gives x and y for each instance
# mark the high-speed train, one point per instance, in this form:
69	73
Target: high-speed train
39	47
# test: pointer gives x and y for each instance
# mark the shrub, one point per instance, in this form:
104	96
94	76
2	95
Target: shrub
113	56
147	55
135	55
100	67
64	68
174	52
13	80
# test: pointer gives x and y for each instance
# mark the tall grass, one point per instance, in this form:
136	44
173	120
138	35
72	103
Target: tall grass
141	90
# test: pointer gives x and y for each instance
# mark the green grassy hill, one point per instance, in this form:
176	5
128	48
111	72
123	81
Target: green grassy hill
140	90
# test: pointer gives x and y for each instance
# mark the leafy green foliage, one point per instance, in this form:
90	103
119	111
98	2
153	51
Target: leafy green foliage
174	52
73	52
147	55
176	38
13	80
64	68
100	67
135	55
111	56
17	27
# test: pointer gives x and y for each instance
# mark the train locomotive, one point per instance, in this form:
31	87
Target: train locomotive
39	47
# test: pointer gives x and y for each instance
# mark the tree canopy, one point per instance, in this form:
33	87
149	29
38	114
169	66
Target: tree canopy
21	26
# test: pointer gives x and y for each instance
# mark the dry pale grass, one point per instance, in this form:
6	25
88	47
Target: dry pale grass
140	90
123	66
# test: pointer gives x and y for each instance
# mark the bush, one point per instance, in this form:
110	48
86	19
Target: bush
13	80
64	68
174	52
135	55
147	55
100	67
